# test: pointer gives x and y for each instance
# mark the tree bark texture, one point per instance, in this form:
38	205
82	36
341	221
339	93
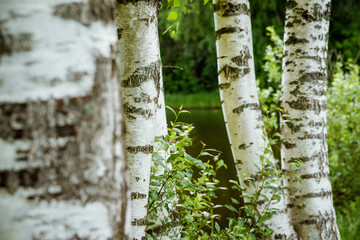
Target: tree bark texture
141	85
238	93
62	156
303	100
237	84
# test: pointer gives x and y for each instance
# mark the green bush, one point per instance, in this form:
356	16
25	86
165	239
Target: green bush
344	132
182	189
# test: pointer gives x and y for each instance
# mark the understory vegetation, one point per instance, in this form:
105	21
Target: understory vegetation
195	209
182	189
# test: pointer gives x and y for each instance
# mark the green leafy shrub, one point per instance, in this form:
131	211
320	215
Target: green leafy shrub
344	132
182	188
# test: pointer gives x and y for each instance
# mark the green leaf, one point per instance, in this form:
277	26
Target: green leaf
234	201
217	227
272	188
176	3
172	110
205	2
172	157
264	218
157	157
206	154
232	223
219	164
231	208
172	15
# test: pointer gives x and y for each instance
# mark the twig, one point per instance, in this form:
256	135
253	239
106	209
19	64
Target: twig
174	67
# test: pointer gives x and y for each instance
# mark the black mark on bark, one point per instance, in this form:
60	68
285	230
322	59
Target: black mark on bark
244	146
139	222
13	121
156	3
11	180
66	131
312	136
137	195
322	194
228	9
227	30
316	13
289	145
294	127
234	72
143	74
303	103
317	176
10	43
223	86
251	106
318	157
145	149
312	77
291	4
86	13
129	110
243	58
294	40
120	32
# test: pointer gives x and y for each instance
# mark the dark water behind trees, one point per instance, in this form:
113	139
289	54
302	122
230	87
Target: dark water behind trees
210	129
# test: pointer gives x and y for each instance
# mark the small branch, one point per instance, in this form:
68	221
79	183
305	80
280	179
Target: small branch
158	194
174	67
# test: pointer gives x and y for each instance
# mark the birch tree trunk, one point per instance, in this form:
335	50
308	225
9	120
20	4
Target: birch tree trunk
140	67
303	99
238	93
62	164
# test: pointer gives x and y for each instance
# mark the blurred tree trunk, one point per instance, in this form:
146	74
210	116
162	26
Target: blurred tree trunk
303	100
62	158
143	100
239	98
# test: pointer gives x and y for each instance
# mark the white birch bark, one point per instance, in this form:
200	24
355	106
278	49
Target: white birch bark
140	69
238	93
62	160
303	99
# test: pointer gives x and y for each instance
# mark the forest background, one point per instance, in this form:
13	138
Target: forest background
190	79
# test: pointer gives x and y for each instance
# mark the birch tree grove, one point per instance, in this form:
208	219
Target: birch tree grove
62	164
239	98
140	68
303	100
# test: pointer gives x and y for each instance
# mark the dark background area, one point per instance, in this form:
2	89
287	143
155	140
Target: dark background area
192	47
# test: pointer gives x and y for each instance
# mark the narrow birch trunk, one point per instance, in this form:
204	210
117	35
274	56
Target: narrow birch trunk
303	99
140	68
238	93
62	160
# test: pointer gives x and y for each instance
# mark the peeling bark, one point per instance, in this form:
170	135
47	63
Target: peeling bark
62	155
303	100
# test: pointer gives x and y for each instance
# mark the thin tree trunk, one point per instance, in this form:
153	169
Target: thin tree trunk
62	160
303	100
239	98
140	68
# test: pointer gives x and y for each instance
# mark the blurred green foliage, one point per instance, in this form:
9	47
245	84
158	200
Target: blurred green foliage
192	45
345	29
192	48
344	132
344	146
